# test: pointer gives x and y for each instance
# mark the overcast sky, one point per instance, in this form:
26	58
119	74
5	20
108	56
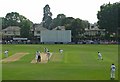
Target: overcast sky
33	9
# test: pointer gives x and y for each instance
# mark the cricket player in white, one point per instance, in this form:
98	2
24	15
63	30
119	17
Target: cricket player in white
100	56
48	55
61	51
36	55
6	53
46	50
113	71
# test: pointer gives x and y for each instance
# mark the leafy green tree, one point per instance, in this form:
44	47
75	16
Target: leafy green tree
85	24
25	29
25	25
15	19
3	23
67	22
47	17
12	19
58	21
77	29
108	17
77	26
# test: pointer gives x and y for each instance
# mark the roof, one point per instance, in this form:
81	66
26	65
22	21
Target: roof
11	28
60	28
39	27
94	29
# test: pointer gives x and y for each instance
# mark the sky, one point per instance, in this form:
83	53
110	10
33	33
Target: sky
33	9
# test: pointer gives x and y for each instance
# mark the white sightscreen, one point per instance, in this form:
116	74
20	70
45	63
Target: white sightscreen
56	36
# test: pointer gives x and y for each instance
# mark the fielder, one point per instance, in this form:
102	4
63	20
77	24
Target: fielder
113	71
100	56
46	50
48	55
61	51
6	53
38	57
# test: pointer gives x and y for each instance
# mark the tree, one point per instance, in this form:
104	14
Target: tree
15	19
85	24
25	25
77	26
25	29
58	21
3	23
67	22
47	17
108	17
77	29
12	19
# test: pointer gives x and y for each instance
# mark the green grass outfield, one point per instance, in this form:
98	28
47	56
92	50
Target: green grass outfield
78	63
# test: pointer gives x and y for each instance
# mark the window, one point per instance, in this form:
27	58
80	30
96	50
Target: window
38	32
5	31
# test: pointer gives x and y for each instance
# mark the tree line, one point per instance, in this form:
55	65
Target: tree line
15	19
108	18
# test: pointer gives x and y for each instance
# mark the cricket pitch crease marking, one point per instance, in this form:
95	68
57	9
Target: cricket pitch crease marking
44	58
15	57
